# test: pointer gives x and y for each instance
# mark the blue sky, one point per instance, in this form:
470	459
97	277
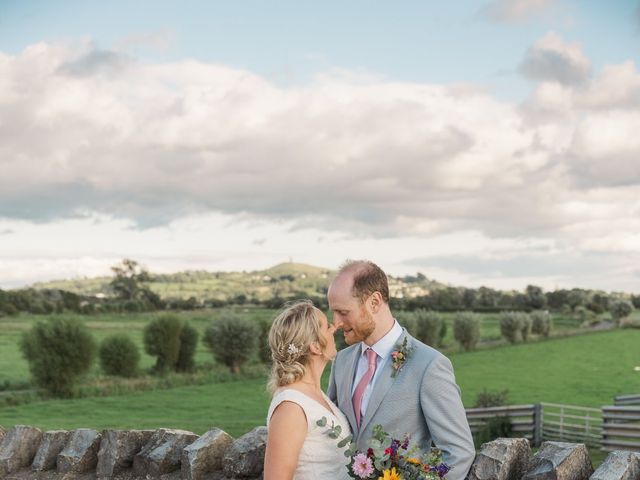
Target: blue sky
484	142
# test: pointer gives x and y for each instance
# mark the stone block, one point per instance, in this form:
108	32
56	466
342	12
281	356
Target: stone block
619	465
162	453
560	461
205	455
117	449
245	457
51	445
18	447
501	459
80	454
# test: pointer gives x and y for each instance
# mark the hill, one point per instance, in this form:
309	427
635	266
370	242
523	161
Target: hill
283	280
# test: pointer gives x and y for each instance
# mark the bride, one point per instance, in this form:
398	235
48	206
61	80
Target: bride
301	341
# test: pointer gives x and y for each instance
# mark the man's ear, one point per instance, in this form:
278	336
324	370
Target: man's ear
375	302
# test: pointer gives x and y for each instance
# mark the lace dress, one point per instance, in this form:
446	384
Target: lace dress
320	457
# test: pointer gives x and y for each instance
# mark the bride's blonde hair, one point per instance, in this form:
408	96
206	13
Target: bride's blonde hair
293	331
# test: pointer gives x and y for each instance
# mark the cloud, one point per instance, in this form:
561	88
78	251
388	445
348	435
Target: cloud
553	59
6	231
509	11
85	131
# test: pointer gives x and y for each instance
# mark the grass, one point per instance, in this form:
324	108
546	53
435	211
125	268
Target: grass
587	370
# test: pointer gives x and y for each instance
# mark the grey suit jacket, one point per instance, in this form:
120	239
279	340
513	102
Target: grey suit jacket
422	400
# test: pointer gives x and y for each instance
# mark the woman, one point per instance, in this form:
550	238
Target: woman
301	341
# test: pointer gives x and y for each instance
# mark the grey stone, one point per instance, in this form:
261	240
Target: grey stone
51	445
162	453
501	459
619	465
560	461
18	447
2	433
205	454
81	452
245	458
117	449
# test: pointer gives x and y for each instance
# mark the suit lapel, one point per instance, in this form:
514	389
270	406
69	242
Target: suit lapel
383	384
347	381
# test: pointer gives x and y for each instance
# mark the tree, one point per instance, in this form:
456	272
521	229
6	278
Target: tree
535	297
59	352
162	340
128	278
231	339
620	309
119	356
466	329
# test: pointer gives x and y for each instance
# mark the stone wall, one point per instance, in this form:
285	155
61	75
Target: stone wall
28	453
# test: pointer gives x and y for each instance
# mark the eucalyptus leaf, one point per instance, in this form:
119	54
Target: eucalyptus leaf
322	422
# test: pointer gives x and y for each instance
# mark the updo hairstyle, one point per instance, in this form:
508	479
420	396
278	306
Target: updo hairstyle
293	331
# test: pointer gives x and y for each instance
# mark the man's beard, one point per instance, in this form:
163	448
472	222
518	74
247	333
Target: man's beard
365	327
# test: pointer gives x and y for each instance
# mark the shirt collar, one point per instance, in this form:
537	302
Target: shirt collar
386	344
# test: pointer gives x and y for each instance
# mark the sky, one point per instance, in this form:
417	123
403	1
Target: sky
480	142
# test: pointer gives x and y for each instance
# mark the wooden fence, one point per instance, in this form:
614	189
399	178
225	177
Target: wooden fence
570	423
621	428
525	419
622	400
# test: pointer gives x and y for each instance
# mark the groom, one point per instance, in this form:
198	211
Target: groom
409	390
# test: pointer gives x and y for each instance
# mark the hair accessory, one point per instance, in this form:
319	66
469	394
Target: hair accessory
292	349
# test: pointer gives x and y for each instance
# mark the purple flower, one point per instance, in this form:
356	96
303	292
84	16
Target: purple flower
362	465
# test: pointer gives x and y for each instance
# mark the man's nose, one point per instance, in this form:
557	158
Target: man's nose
337	322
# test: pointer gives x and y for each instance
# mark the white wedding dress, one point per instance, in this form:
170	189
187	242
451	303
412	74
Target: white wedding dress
320	457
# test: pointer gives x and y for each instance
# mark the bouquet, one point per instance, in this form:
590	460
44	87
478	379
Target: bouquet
388	458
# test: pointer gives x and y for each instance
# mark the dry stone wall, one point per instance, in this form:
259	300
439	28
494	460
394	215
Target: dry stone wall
168	454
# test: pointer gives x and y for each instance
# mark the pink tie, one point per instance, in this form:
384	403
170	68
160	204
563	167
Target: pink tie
364	381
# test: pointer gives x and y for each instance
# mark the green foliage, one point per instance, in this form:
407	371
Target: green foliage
430	328
264	352
188	344
541	323
231	339
466	329
162	340
119	356
488	398
495	427
59	351
620	309
515	326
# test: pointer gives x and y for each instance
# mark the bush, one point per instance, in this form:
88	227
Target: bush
119	356
264	351
59	352
466	329
231	339
496	427
162	340
511	325
620	309
430	328
408	321
541	323
487	399
525	328
188	344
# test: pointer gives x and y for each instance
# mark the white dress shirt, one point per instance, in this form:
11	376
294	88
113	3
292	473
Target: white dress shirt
383	349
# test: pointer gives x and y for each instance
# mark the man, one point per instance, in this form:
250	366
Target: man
408	390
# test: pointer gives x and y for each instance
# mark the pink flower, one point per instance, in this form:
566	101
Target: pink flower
362	465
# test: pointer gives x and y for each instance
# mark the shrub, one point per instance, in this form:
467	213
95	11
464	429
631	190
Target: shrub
408	321
525	328
119	356
466	329
491	399
430	328
188	343
264	351
620	309
231	339
59	352
541	323
511	325
496	427
162	340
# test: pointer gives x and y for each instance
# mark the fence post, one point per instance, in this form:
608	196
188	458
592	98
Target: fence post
537	424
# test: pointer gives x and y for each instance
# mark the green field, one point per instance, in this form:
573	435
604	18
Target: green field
585	370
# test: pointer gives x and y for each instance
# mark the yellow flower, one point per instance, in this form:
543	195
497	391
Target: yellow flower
390	475
415	461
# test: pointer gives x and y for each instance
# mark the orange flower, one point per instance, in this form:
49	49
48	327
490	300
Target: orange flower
390	475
